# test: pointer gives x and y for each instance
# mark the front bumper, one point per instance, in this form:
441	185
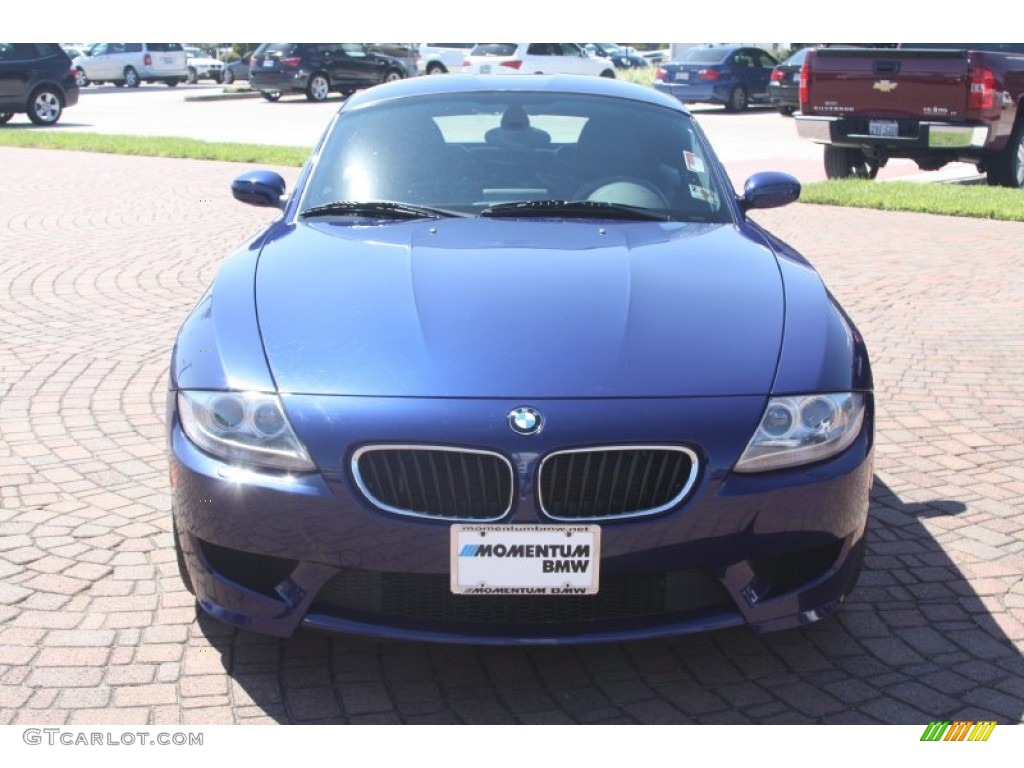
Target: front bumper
270	552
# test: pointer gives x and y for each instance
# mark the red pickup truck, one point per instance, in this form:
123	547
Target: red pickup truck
934	104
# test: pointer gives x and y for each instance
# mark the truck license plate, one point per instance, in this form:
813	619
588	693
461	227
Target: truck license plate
883	128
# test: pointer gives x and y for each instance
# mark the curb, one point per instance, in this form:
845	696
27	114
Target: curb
223	96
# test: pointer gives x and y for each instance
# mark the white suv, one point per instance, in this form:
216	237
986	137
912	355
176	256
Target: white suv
201	66
534	59
439	58
132	63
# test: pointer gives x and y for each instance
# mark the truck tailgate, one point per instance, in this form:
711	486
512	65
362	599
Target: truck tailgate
921	84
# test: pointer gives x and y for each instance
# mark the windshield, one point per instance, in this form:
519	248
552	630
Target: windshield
470	152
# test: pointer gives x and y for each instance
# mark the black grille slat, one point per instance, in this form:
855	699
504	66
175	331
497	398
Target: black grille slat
439	483
605	483
427	599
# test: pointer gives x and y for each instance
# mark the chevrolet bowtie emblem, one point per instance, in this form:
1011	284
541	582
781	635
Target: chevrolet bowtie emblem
885	86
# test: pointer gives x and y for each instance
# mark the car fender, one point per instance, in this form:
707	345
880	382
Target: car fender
219	345
822	350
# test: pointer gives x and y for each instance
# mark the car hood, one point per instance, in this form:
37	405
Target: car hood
541	309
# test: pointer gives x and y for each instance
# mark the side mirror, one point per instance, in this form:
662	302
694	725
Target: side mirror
769	189
264	189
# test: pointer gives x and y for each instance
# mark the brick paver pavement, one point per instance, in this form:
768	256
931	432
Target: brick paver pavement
102	256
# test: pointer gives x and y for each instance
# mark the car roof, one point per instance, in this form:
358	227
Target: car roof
460	83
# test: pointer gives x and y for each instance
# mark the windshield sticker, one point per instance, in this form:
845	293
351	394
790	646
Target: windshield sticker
693	162
701	193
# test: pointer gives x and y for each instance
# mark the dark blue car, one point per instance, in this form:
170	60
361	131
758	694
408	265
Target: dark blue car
730	75
514	366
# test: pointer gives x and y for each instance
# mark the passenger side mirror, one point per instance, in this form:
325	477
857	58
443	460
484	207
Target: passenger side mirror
264	189
769	189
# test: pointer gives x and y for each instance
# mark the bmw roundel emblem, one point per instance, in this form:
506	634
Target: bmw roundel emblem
525	421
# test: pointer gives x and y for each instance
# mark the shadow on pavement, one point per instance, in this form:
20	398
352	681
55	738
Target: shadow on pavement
914	643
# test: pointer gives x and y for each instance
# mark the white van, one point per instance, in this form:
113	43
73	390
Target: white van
132	63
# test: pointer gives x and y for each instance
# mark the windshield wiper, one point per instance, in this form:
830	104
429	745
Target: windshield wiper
594	209
379	209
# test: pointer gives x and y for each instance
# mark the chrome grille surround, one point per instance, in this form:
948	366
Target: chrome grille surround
605	452
422	459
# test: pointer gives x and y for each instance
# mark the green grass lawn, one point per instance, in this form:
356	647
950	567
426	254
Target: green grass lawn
974	200
155	146
977	201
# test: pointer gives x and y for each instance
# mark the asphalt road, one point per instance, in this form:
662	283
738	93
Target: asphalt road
104	255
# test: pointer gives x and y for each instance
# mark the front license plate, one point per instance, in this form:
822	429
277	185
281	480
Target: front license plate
525	559
883	128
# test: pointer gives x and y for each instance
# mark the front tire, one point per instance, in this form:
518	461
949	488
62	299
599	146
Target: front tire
609	73
45	106
391	75
737	100
848	162
270	95
318	88
131	77
228	77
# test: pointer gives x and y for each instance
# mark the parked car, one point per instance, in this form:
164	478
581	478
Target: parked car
129	64
407	54
36	80
655	57
534	58
617	55
317	69
784	84
730	75
441	58
513	365
236	70
202	66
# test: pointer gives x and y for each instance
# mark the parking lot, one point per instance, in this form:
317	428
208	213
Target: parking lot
756	140
104	255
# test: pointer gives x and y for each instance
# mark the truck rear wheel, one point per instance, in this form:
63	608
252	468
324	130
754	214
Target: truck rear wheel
848	162
1007	168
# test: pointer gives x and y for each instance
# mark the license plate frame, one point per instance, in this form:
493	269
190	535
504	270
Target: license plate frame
511	559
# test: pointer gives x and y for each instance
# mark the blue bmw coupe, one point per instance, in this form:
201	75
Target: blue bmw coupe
514	366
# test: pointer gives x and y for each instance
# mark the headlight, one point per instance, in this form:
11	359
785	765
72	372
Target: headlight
243	427
802	429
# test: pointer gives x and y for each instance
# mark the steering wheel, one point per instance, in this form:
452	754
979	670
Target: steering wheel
623	190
